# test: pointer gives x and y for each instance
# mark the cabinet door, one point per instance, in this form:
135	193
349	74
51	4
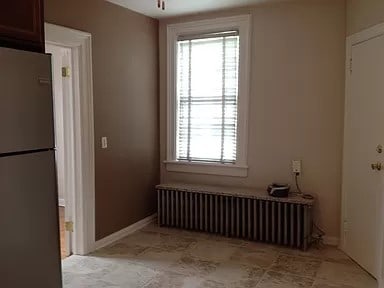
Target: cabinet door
22	24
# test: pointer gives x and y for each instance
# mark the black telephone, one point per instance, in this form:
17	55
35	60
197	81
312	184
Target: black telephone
278	190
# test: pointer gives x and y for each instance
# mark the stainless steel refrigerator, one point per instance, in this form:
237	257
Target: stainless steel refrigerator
29	225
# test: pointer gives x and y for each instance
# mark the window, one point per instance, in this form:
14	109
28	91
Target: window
207	85
208	94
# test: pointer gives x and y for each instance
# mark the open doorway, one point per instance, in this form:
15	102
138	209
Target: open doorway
62	98
74	135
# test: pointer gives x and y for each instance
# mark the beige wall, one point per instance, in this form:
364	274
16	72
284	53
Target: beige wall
125	74
362	14
296	103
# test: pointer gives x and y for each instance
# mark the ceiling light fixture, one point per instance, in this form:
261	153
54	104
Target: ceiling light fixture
161	4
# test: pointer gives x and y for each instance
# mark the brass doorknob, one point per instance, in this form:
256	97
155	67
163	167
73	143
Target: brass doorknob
377	166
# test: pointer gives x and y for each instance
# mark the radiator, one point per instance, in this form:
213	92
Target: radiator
232	212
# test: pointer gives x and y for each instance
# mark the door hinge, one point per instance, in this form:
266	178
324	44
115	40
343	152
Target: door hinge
65	71
350	65
69	226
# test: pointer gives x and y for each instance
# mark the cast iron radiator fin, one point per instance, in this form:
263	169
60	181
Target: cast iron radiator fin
241	213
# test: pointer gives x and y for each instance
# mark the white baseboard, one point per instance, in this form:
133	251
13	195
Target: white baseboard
332	241
124	232
61	202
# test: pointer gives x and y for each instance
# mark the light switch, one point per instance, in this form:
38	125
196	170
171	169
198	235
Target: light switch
104	142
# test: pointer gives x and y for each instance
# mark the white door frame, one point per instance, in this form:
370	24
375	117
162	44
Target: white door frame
82	196
353	40
63	101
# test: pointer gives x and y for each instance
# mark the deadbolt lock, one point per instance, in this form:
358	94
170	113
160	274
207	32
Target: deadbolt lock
377	166
379	148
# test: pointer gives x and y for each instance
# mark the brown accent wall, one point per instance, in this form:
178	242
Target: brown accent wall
125	76
296	101
362	14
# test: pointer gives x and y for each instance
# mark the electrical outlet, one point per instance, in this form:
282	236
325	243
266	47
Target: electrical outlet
296	166
104	142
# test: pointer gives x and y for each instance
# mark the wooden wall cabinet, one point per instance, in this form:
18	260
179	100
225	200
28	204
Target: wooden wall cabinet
22	24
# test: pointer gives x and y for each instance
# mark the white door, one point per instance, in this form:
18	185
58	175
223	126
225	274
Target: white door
62	96
364	133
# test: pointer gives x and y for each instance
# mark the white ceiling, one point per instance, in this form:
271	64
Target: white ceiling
182	7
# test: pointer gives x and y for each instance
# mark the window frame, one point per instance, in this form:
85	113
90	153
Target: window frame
242	24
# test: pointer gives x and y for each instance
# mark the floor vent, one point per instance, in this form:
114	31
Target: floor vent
232	212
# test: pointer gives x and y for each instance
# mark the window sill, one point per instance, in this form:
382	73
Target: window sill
207	168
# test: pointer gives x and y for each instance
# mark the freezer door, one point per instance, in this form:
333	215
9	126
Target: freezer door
29	242
26	113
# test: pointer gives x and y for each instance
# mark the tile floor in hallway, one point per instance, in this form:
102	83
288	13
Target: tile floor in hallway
159	257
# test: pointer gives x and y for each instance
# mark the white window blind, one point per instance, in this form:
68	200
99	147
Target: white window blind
207	97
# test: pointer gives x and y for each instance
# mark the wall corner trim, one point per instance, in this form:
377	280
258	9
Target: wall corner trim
124	232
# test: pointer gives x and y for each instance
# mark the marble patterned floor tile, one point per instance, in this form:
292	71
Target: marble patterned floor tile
319	283
173	280
120	249
158	257
323	253
234	275
157	239
176	242
331	254
255	254
193	266
87	265
348	274
297	265
272	279
212	250
211	284
79	271
69	281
